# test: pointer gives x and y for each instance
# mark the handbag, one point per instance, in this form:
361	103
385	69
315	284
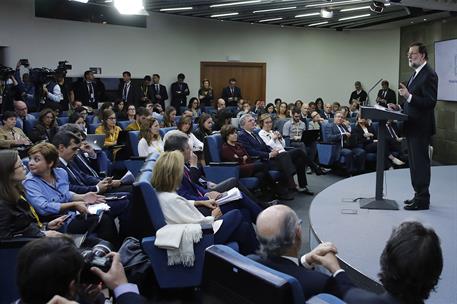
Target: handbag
137	264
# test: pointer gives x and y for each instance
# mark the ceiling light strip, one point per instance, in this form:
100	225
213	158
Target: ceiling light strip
354	17
223	15
174	9
333	3
308	15
318	23
235	3
271	19
355	9
275	9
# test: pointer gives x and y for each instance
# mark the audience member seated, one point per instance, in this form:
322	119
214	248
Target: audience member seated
205	94
131	113
335	107
345	111
194	186
12	137
105	106
340	135
140	115
21	110
223	115
354	110
47	190
155	110
256	147
327	112
259	108
232	151
169	118
231	94
319	105
185	126
280	236
167	176
205	127
270	109
150	140
109	128
393	141
52	270
358	94
411	265
316	121
45	128
17	216
274	140
79	120
293	129
281	111
298	104
75	104
246	109
194	107
120	109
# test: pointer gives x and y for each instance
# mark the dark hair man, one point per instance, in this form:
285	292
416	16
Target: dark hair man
231	94
179	93
159	91
386	95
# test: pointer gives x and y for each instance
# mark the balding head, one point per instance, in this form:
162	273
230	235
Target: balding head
20	108
278	231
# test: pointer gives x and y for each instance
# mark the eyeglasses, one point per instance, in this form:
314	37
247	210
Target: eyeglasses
20	166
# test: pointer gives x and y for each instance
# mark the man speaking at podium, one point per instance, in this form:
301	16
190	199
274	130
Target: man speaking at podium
420	95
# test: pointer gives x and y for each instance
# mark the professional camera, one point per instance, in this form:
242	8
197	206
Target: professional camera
40	76
5	72
96	257
63	66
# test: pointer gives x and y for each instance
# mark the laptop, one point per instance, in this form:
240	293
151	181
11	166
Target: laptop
309	136
96	141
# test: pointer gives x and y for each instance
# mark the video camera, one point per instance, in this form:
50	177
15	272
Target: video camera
96	257
63	66
6	72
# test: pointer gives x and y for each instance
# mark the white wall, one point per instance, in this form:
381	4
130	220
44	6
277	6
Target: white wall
301	63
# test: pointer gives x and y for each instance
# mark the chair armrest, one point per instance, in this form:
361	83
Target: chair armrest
137	158
223	164
15	242
217	174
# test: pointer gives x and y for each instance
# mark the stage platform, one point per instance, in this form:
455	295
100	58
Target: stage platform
361	234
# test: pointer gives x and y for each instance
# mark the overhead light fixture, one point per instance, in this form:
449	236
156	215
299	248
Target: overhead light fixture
235	3
308	15
377	6
80	1
275	9
224	15
333	3
130	7
174	9
271	19
318	23
326	13
354	17
354	9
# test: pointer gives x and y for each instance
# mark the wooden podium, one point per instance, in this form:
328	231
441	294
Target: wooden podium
380	115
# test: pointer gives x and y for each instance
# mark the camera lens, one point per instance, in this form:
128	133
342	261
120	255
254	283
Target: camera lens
102	248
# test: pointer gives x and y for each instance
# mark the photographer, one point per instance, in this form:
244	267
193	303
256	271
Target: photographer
8	89
54	266
56	92
26	87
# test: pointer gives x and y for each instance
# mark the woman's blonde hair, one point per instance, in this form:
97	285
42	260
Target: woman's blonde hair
168	171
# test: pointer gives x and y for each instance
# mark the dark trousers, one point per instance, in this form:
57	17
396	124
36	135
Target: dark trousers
235	229
300	161
354	159
105	229
419	167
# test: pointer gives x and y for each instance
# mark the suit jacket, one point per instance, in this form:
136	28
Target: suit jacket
312	282
82	93
133	96
326	115
16	220
130	298
189	189
179	92
390	96
420	111
254	145
162	92
80	182
360	296
361	140
234	97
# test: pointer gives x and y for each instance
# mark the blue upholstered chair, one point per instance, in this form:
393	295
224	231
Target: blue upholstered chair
29	124
123	124
61	120
176	276
91	128
164	131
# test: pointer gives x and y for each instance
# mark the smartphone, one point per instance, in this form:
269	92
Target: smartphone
113	198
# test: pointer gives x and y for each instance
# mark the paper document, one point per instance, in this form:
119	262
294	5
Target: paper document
128	178
93	209
233	194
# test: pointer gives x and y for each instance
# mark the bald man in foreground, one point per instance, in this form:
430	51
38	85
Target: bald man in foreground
279	234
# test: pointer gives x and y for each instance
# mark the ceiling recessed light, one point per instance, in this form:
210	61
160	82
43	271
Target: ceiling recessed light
235	3
174	9
308	15
271	19
425	19
333	3
224	15
275	9
354	8
326	13
318	23
354	17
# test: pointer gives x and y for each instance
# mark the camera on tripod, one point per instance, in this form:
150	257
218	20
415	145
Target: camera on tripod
63	66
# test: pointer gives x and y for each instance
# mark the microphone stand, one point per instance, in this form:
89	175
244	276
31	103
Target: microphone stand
369	91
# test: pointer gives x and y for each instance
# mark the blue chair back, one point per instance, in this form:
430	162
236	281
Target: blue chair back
29	124
91	128
36	114
279	124
326	129
150	199
134	138
123	124
164	131
61	120
242	277
177	118
214	147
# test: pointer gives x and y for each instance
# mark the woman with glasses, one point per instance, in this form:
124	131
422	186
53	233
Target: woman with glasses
109	128
17	217
11	136
131	112
45	128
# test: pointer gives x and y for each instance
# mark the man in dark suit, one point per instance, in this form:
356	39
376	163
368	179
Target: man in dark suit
340	135
179	93
420	95
359	94
326	113
386	95
411	264
128	91
280	236
146	93
231	94
88	91
159	92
